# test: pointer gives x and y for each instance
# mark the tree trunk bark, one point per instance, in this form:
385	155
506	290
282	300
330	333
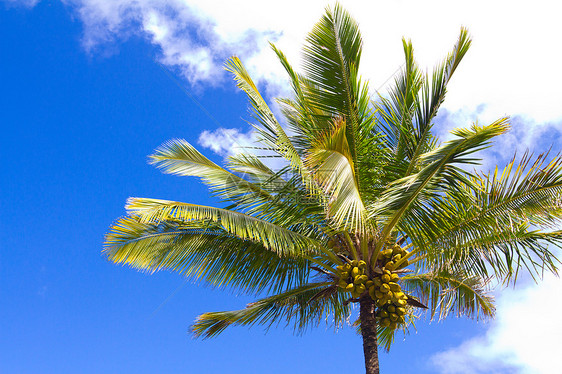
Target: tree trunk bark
369	332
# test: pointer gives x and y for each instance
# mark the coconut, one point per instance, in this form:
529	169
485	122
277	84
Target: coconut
360	289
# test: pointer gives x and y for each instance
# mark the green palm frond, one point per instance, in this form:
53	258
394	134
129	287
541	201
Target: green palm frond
440	172
178	157
302	110
303	307
288	205
202	252
396	112
506	251
332	165
490	224
445	291
273	237
386	336
271	131
250	165
330	61
406	116
503	250
532	192
433	94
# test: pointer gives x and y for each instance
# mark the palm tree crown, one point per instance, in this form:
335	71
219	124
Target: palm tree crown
370	208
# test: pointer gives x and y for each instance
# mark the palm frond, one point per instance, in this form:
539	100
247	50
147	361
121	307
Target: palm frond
406	116
532	192
178	157
303	307
331	56
202	251
332	165
503	251
273	237
446	291
396	112
386	335
433	95
439	172
271	131
331	61
492	223
250	165
302	110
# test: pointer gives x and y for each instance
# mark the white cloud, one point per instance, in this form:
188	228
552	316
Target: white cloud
526	134
524	338
512	66
197	36
227	142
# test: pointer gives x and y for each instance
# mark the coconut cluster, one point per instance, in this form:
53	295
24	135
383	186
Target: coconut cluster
387	293
383	287
353	279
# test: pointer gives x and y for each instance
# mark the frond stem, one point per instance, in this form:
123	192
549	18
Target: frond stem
320	270
364	241
403	259
351	245
417	259
350	300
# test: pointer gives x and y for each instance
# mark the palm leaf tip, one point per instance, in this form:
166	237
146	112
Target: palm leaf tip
208	325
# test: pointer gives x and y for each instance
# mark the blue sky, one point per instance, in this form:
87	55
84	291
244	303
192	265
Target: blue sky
82	107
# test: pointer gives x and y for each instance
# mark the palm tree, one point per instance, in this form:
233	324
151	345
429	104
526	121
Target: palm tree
370	208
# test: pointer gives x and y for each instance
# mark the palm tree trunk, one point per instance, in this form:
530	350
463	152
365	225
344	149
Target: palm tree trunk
369	332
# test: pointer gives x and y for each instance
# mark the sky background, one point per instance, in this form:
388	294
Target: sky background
89	88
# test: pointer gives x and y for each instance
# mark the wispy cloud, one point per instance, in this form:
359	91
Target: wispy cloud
24	3
511	67
526	135
196	37
524	338
227	142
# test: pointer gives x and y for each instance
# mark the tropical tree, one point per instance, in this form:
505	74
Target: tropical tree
370	208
